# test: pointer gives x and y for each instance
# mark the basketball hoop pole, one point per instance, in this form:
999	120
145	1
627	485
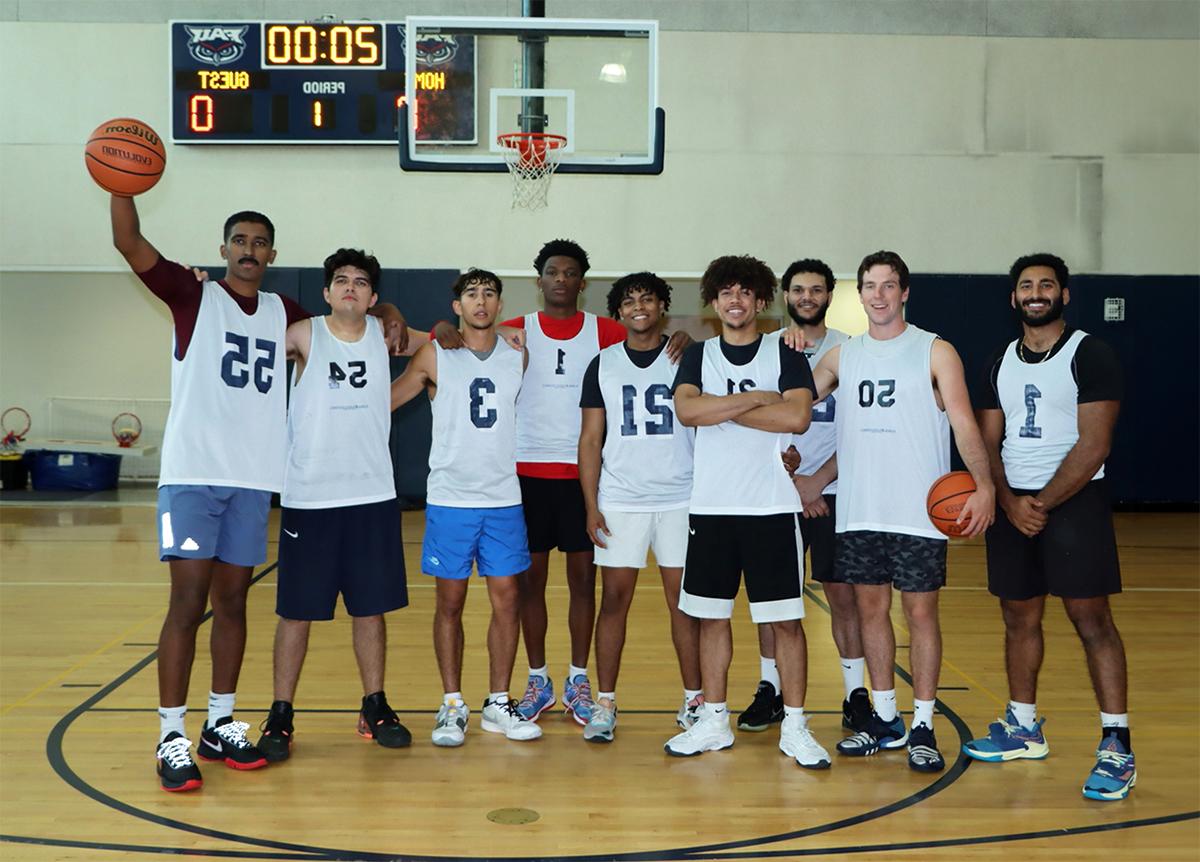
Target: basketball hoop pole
533	70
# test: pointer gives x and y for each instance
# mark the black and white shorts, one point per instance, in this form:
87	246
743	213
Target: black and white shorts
1074	557
912	564
768	549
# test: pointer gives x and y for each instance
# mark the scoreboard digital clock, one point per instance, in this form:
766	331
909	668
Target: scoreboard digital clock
315	82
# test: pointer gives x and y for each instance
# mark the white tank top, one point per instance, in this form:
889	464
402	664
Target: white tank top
227	424
473	460
647	455
819	442
1041	414
738	470
338	423
548	416
893	440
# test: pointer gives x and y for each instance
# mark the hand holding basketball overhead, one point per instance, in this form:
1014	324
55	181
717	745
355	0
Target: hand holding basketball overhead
125	156
948	502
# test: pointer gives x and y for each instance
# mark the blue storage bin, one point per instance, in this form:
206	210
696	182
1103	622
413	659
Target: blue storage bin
72	471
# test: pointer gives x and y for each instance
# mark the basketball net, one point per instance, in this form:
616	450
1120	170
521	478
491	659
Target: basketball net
532	158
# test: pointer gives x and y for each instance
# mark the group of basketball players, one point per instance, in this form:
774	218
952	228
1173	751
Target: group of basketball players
604	438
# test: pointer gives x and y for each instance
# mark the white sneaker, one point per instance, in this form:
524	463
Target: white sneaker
689	712
451	727
503	718
795	740
711	732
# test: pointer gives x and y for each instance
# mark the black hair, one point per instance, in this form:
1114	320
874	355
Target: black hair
809	264
1041	258
476	276
884	258
750	272
627	284
352	257
252	217
565	248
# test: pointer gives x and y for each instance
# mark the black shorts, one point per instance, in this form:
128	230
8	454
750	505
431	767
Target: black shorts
352	550
912	564
821	542
1074	557
555	515
767	548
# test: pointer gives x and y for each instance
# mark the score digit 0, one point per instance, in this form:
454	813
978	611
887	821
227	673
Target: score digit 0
200	113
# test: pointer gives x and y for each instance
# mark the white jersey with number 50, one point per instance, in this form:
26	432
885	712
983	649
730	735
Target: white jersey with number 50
819	442
473	460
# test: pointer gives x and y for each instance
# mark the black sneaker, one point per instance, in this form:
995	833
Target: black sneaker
766	709
923	754
378	721
276	740
226	741
879	735
856	711
176	769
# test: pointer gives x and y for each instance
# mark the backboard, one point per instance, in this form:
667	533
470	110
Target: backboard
469	80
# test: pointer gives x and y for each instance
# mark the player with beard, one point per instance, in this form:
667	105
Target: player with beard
1049	407
808	290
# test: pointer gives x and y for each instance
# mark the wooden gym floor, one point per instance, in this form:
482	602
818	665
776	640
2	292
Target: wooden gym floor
81	601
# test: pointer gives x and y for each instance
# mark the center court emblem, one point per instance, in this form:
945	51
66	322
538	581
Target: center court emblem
215	44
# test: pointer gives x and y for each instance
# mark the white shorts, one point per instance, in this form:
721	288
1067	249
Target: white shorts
631	534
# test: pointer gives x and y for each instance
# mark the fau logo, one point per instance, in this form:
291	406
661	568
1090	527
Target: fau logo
215	44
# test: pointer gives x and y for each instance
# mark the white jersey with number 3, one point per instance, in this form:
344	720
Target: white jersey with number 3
647	457
819	442
228	419
473	460
1041	414
339	421
548	417
893	439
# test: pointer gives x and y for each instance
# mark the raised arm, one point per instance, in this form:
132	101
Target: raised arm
420	374
591	442
127	235
980	508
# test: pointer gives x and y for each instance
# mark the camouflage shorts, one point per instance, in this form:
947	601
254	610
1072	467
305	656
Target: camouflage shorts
912	564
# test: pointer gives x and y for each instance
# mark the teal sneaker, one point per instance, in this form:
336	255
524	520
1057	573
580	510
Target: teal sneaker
1007	739
601	724
539	697
1114	774
577	699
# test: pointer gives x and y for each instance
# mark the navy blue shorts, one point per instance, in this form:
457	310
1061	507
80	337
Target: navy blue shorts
213	522
352	550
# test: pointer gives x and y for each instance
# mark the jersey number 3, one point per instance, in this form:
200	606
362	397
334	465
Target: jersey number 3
481	418
235	370
665	423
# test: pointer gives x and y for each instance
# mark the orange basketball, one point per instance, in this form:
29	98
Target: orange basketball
945	501
125	156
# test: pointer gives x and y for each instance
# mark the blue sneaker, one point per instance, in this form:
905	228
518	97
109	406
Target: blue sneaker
880	735
1114	774
1007	739
577	699
539	697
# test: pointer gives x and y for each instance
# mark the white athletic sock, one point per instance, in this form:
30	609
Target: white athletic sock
790	711
541	672
923	713
718	710
885	704
573	671
1114	719
220	706
852	673
609	695
769	671
498	697
1024	713
170	720
690	695
452	696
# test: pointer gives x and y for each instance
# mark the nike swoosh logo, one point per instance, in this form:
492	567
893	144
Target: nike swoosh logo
290	533
691	532
210	745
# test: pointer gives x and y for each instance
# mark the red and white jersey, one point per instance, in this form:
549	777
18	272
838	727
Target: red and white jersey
228	424
548	416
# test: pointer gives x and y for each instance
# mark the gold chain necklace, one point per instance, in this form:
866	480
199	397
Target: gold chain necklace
1046	355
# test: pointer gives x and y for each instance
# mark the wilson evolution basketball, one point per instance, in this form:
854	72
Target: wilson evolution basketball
125	156
946	499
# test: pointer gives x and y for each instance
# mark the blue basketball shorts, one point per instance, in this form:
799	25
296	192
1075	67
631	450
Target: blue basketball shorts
455	538
205	522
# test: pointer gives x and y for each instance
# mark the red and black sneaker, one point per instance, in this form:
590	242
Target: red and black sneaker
176	769
379	722
276	740
226	741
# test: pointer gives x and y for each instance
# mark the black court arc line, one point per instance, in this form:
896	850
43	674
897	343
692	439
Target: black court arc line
54	753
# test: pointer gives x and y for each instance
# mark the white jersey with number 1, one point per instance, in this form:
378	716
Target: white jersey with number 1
548	416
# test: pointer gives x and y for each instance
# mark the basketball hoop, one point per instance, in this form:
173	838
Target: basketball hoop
532	158
14	422
127	428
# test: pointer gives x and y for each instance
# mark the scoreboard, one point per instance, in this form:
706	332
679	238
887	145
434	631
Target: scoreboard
315	82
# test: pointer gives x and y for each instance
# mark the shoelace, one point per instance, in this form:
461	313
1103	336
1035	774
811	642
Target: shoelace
275	723
583	692
176	753
510	708
533	693
453	714
234	733
1113	759
763	698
